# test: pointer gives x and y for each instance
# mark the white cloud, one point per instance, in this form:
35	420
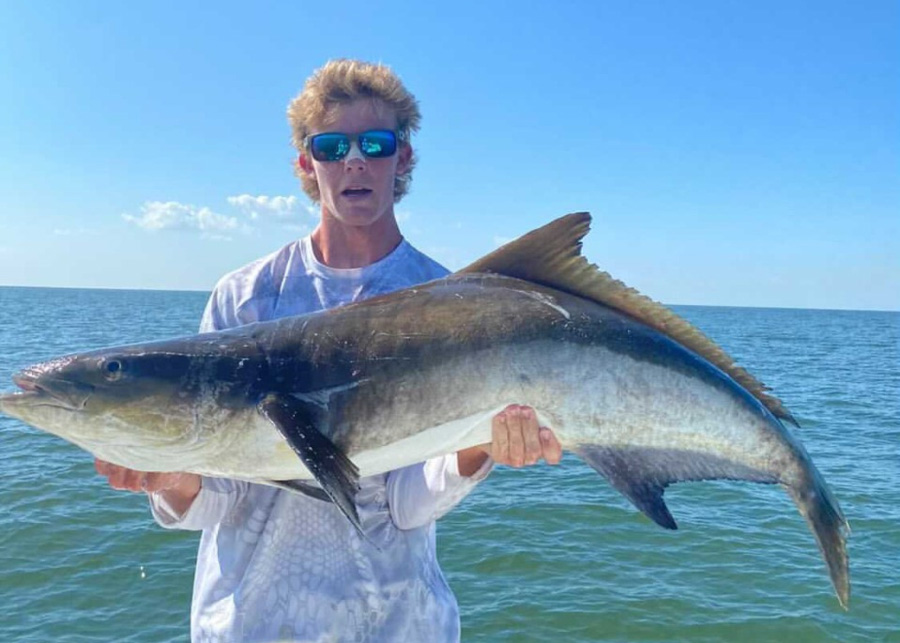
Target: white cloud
253	213
280	207
170	215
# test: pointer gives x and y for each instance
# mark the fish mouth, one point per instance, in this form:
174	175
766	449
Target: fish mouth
26	382
42	390
16	397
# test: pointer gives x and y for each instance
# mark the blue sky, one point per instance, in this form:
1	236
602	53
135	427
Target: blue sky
733	153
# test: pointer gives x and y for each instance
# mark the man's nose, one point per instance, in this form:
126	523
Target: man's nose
354	158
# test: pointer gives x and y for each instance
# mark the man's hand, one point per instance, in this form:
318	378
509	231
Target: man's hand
516	440
179	489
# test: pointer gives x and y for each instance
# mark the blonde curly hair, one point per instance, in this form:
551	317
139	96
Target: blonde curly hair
342	81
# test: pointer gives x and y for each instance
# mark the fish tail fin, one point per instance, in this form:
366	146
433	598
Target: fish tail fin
823	514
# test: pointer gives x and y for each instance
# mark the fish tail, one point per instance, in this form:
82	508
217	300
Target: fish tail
823	514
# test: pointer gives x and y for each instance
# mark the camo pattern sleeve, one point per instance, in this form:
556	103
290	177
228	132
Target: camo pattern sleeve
275	565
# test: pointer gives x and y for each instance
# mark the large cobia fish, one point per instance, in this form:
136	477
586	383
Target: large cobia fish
635	391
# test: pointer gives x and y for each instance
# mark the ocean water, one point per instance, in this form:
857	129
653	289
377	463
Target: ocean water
542	554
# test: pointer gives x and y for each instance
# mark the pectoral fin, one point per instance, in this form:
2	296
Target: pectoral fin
642	474
334	471
299	486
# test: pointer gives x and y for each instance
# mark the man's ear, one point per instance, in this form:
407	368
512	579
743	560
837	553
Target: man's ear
404	157
304	163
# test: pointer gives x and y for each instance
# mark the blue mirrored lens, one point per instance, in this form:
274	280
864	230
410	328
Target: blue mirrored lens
378	143
329	147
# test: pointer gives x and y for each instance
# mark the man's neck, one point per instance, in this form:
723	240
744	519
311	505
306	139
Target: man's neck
338	245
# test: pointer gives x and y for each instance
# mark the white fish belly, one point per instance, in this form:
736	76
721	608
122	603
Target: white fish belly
586	394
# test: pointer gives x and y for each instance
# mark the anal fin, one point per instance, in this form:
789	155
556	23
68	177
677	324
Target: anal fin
332	469
642	474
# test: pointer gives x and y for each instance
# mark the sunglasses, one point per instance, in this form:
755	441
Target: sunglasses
334	146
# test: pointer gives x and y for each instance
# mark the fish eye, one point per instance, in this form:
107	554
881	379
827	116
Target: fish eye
112	369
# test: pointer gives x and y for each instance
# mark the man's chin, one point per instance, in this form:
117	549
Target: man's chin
360	216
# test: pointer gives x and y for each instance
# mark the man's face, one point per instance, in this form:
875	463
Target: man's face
357	190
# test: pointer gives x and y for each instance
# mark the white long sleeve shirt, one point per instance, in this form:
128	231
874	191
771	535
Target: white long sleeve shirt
275	565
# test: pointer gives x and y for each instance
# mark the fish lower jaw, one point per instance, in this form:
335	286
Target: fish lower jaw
23	404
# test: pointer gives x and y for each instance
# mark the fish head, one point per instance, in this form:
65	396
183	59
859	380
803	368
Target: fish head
119	404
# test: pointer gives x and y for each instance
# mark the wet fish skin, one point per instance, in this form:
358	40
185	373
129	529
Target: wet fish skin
400	378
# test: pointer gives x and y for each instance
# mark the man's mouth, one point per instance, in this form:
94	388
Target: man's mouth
356	193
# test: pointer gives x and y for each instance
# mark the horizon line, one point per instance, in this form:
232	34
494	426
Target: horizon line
191	290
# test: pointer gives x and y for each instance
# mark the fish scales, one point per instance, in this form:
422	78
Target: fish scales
629	387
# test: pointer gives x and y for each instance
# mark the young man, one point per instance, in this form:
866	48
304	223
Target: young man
275	565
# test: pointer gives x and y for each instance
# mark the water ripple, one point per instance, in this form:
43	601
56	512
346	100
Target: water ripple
544	554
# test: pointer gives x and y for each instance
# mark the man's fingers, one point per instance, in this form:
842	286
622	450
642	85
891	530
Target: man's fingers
500	438
531	436
119	477
133	480
101	466
154	482
516	439
550	445
114	474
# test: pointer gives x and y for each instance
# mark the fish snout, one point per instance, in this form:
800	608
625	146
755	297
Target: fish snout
26	380
37	379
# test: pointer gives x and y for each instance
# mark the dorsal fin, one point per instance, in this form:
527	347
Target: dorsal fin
551	256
